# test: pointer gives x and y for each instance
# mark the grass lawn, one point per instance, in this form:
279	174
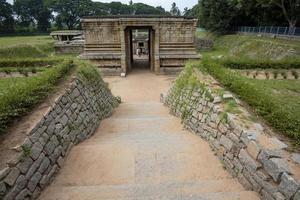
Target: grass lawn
255	48
287	92
8	84
26	47
24	40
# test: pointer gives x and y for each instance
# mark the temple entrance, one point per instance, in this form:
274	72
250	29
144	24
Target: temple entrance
139	48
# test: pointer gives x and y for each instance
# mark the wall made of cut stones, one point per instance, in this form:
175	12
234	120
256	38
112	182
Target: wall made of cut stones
69	48
257	168
73	118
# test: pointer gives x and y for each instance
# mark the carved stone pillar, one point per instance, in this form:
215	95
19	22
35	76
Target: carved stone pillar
156	49
123	49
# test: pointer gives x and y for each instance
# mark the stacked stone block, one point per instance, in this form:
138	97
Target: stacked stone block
73	118
262	170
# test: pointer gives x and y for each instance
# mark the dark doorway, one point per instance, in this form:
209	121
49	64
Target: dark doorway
139	48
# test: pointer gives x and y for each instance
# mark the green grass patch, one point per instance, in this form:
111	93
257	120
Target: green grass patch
30	62
292	63
87	72
25	40
26	47
236	47
21	70
19	95
277	101
22	51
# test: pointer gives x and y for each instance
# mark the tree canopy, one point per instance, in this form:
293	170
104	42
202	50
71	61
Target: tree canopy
221	15
6	17
214	15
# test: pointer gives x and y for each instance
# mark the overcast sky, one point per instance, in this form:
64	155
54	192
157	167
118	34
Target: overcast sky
164	3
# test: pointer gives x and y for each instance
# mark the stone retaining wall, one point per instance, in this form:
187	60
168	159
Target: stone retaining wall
257	168
73	118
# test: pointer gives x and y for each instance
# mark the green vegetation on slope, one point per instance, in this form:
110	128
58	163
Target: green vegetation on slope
277	101
19	95
256	48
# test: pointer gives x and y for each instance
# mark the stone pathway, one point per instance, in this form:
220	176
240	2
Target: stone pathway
142	152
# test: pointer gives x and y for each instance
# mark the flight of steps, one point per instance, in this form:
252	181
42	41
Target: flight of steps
143	153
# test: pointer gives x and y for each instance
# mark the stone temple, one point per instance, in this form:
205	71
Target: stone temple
110	43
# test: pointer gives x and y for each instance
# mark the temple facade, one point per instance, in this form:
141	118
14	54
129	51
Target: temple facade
109	42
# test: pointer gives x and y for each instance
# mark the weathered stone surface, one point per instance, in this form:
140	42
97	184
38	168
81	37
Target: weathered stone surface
296	158
51	128
4	172
34	181
2	188
266	195
265	155
17	188
64	120
246	184
36	193
12	176
297	195
227	143
15	160
25	164
288	186
56	154
36	150
248	161
253	149
279	196
44	165
275	167
278	143
23	194
35	166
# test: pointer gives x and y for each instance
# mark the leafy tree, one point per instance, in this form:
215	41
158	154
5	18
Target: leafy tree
175	10
144	9
162	10
216	15
130	2
6	17
193	12
69	12
117	8
185	11
31	11
289	8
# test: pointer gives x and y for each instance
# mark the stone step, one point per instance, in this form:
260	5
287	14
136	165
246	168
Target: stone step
225	189
140	110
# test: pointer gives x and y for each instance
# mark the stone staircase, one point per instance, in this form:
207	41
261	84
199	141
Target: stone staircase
142	152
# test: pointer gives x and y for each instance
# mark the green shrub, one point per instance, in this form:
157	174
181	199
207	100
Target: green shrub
279	112
87	71
260	64
29	62
23	95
